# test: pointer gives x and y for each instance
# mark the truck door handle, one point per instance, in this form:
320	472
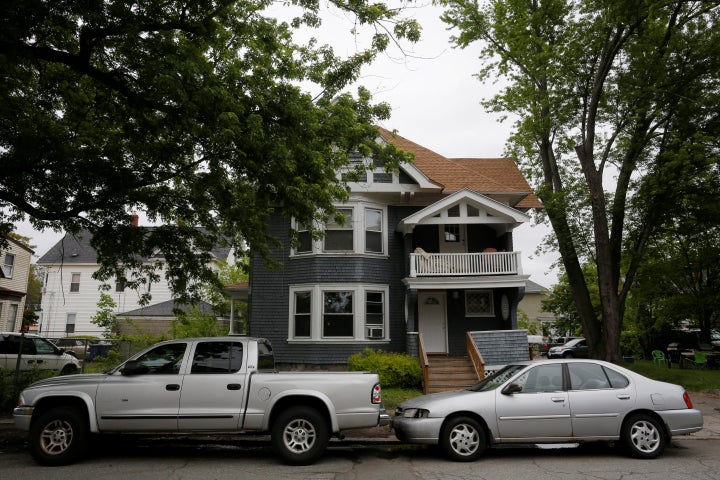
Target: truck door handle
234	386
173	387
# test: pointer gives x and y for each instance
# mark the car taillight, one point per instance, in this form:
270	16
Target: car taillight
688	402
377	394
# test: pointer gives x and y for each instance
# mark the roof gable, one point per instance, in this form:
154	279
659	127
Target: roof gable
474	207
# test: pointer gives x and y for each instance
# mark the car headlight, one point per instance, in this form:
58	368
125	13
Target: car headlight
415	413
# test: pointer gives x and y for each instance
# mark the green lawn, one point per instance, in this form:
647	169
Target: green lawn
691	380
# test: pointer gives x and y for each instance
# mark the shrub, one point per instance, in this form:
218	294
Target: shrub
395	369
9	391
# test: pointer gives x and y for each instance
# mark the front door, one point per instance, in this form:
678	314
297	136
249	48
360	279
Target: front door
432	321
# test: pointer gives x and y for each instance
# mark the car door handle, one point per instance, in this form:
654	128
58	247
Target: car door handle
624	396
173	387
558	399
234	386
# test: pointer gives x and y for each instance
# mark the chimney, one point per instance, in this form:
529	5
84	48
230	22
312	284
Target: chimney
134	220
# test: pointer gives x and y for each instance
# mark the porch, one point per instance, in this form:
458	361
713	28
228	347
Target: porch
425	264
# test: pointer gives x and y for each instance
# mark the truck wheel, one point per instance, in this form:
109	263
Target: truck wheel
300	435
643	436
463	439
58	437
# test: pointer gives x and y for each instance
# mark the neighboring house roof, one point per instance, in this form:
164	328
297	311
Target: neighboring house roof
532	287
484	175
76	249
19	244
167	309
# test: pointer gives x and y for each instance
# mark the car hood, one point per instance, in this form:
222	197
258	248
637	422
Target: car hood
444	398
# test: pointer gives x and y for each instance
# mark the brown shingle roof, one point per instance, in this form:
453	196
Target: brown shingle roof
484	175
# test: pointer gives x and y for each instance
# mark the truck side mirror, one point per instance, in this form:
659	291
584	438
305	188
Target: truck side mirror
133	367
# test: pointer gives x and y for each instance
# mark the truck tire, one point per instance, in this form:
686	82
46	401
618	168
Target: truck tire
643	436
463	439
300	435
58	436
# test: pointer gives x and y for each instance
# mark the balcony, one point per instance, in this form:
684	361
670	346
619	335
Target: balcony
465	264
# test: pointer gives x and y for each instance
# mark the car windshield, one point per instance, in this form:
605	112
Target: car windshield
574	342
496	379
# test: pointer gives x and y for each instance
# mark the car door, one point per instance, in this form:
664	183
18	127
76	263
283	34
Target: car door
600	397
540	411
47	355
28	357
149	398
213	391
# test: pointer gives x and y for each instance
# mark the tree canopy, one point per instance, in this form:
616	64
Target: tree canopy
198	114
617	106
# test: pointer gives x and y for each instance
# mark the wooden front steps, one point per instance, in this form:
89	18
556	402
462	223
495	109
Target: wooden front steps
449	373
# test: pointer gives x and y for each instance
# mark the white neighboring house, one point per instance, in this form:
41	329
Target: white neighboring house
14	277
70	293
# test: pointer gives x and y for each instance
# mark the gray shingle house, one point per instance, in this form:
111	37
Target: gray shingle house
425	253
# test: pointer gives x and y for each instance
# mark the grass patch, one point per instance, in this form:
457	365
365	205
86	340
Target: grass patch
392	397
691	380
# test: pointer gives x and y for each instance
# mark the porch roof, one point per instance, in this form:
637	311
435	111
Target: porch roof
490	212
465	282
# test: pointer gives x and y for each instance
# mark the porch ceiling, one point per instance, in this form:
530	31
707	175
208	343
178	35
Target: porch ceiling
449	283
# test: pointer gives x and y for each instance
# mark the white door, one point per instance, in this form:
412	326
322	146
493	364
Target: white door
432	321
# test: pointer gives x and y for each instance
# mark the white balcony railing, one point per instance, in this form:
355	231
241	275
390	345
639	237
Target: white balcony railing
460	264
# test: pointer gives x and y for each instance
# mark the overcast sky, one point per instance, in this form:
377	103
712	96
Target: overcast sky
436	102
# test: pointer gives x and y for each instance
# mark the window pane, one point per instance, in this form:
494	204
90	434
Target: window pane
339	240
165	359
544	378
374	308
303	303
217	357
75	282
587	376
373	230
340	237
8	265
304	242
452	233
338	314
617	380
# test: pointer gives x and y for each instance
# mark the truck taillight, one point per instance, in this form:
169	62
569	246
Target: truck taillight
377	394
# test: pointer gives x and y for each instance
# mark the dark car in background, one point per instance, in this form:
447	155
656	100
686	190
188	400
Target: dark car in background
557	342
575	348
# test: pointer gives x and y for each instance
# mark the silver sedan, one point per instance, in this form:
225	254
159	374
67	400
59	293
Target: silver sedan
553	401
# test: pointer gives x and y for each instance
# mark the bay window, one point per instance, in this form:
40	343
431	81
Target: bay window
338	313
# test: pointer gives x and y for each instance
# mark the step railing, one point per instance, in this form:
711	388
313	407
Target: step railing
475	356
424	364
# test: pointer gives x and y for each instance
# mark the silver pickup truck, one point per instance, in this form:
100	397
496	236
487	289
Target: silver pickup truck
199	385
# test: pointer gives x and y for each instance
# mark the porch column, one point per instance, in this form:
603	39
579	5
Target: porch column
411	324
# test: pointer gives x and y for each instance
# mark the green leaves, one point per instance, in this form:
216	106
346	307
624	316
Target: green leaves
191	112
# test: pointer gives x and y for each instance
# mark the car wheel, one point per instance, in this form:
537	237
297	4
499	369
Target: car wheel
58	437
300	435
568	355
643	436
463	439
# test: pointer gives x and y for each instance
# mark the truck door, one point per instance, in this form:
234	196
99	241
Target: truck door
146	399
213	390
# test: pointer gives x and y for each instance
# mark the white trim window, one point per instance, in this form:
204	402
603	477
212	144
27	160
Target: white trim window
363	232
338	313
75	282
70	323
8	265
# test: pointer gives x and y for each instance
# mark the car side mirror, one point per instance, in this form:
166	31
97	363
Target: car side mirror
133	367
512	388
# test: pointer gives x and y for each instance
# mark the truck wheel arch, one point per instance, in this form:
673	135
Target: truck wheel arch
81	402
309	401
